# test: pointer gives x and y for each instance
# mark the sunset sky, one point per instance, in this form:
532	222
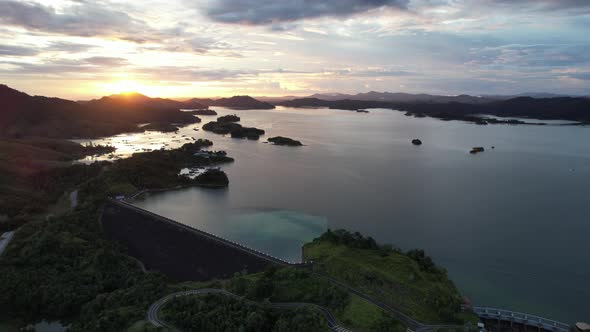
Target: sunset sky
84	49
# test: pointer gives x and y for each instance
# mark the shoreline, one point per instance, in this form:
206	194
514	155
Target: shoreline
133	198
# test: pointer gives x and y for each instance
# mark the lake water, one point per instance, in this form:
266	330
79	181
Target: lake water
511	224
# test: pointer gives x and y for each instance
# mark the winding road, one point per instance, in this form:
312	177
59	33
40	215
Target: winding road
333	324
154	309
5	240
411	323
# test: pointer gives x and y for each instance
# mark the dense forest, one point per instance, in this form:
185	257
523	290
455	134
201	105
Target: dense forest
220	313
299	285
63	269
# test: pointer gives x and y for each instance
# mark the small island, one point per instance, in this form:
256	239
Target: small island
228	118
221	128
212	177
477	149
280	140
161	126
247	132
203	112
234	129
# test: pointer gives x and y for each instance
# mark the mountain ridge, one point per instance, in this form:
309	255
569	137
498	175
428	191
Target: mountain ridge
236	102
25	115
556	108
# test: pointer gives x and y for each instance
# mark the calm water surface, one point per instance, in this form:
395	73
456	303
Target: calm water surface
511	224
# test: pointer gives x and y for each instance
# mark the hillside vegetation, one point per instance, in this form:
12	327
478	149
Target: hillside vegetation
36	172
220	313
408	281
236	102
63	268
25	115
297	285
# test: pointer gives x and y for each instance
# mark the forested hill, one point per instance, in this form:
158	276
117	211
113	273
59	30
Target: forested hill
25	115
557	108
138	102
238	102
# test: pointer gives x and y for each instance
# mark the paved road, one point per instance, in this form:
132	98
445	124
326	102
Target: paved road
4	240
73	199
152	314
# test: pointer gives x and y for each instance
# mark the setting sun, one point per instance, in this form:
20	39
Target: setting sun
124	86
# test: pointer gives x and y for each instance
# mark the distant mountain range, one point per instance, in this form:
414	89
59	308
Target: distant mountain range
25	115
533	95
400	97
403	97
237	102
557	108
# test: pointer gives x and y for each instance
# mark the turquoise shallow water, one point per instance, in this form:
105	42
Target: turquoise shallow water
510	224
280	233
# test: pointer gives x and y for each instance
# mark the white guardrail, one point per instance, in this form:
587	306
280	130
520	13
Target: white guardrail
519	317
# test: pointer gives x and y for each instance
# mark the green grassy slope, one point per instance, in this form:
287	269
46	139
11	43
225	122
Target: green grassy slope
407	281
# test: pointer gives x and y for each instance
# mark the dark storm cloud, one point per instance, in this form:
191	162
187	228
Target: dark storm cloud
80	19
259	12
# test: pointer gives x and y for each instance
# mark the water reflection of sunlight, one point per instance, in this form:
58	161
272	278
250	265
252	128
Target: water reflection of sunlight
127	144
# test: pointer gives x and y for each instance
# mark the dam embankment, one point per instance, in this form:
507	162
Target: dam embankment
178	250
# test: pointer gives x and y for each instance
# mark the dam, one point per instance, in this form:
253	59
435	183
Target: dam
178	250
